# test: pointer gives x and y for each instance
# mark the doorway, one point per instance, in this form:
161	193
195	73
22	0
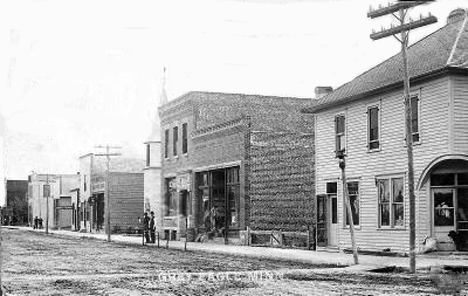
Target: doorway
449	192
327	217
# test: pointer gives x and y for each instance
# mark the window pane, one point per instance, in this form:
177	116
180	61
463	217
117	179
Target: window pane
321	208
397	190
414	114
374	145
184	138
355	208
373	124
334	210
463	179
462	196
332	187
398	214
415	137
233	200
340	124
384	192
443	211
175	139
385	214
340	145
353	190
442	179
166	143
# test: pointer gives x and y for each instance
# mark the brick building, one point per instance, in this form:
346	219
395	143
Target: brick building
125	191
232	162
16	209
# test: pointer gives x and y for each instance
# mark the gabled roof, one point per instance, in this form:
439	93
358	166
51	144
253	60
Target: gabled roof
445	49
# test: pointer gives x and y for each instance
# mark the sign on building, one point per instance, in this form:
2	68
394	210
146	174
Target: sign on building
46	190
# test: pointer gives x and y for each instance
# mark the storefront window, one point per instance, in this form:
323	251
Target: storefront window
353	191
443	210
219	194
171	202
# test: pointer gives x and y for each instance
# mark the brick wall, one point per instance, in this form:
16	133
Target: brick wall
126	194
281	181
268	136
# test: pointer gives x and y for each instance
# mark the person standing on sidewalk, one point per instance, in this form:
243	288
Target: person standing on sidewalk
146	221
152	227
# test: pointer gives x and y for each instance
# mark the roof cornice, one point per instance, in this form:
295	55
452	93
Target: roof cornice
391	87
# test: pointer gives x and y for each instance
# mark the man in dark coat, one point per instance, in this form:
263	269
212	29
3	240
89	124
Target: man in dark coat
146	221
152	227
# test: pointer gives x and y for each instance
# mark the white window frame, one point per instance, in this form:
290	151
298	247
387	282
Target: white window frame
390	179
335	134
379	126
345	217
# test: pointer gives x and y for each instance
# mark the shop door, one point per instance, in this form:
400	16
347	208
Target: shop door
322	232
444	210
332	218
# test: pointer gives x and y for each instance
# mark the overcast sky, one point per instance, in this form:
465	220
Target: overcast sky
78	73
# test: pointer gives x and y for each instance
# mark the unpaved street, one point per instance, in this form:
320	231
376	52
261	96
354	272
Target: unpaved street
36	264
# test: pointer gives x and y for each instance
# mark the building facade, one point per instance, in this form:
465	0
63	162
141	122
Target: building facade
126	193
232	162
365	119
50	199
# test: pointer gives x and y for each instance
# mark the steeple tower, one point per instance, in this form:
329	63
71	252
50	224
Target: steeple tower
152	170
163	97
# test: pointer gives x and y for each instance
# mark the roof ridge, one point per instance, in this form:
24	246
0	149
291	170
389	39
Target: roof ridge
455	44
391	57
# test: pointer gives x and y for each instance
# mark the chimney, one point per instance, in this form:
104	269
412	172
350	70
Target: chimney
321	91
457	15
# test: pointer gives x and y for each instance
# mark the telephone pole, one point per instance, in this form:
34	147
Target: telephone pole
106	190
403	29
47	194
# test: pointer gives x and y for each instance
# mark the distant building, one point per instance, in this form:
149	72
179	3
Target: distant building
234	161
365	119
16	208
126	193
59	206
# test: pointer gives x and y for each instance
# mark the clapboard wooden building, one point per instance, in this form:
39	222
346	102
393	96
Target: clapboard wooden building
232	162
365	118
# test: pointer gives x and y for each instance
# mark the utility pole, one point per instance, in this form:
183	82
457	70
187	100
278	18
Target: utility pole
403	29
47	194
106	190
342	163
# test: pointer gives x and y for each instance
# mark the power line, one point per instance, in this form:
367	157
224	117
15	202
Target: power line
403	29
108	155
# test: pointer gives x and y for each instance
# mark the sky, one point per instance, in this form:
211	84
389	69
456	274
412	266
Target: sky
80	73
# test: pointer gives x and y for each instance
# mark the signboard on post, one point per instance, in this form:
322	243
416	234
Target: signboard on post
46	190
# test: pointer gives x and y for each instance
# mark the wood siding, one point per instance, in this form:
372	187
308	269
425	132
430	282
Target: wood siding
391	160
460	114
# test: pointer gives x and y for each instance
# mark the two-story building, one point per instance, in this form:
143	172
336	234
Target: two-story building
366	119
50	198
235	161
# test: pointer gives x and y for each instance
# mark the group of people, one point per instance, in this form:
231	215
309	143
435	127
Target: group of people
149	228
37	223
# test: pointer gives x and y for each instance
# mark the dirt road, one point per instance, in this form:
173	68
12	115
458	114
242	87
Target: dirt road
36	264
